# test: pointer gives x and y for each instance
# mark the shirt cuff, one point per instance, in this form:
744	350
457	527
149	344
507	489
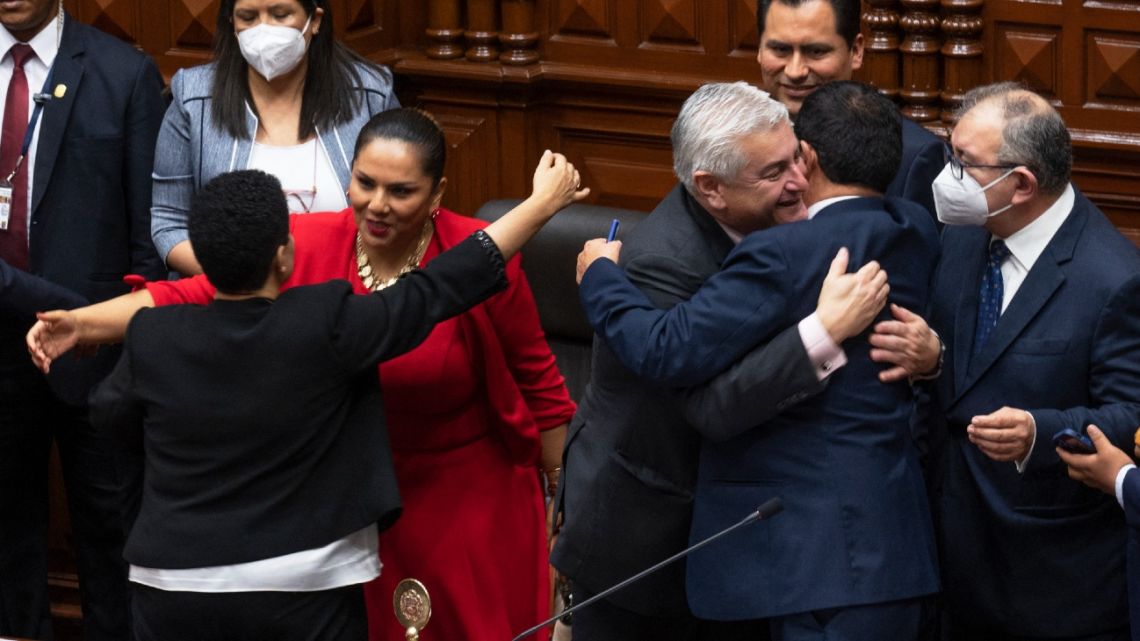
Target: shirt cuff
1025	461
824	354
937	371
1120	483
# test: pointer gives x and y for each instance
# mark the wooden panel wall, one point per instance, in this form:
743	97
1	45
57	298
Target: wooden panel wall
602	80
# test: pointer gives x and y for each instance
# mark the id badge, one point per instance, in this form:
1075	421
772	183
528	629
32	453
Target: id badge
5	203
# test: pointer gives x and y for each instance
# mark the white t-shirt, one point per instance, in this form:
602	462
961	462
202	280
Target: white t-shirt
302	169
348	561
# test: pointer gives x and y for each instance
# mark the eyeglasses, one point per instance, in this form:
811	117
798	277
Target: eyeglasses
958	167
301	200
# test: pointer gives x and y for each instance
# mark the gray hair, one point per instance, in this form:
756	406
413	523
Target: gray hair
712	121
1032	132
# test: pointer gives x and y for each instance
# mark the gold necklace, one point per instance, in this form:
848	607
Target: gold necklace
368	276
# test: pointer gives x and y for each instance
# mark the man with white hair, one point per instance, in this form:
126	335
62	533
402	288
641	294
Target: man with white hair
852	554
631	453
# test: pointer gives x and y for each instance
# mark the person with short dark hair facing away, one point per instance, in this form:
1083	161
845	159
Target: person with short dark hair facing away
475	414
268	472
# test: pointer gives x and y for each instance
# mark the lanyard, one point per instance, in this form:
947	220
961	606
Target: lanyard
40	98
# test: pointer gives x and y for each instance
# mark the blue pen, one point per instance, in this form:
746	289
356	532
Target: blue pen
613	230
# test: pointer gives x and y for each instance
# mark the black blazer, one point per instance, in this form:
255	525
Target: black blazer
631	456
263	421
90	222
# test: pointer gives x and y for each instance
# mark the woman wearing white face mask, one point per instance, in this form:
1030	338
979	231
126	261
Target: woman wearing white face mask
280	95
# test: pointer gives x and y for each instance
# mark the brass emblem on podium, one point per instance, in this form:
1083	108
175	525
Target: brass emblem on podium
413	607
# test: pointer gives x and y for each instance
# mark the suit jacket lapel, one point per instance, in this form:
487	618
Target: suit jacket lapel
68	72
966	316
1043	280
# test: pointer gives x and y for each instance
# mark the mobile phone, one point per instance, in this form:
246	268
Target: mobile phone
1072	441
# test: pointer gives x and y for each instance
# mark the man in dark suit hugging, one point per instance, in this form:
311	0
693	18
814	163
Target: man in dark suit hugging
852	556
631	454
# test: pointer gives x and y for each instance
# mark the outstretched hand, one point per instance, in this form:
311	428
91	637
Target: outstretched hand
54	334
1097	470
556	181
593	250
849	302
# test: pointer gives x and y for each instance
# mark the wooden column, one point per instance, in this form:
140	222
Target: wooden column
881	55
444	29
920	60
961	52
482	37
519	36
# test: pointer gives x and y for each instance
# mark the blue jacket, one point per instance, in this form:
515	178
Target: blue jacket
856	526
1016	548
192	149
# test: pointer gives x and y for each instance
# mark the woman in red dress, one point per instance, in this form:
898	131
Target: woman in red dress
474	413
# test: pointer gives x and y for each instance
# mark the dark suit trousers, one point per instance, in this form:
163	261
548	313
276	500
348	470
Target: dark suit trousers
31	417
961	631
325	615
906	620
604	621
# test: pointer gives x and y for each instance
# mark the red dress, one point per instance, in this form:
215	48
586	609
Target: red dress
463	411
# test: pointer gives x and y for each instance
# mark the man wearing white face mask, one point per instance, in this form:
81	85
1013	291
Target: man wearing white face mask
1038	302
281	95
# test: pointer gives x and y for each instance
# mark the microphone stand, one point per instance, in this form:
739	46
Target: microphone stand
769	509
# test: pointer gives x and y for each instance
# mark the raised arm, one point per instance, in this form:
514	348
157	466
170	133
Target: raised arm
394	320
556	184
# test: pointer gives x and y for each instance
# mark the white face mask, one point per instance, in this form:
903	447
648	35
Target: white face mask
273	50
963	202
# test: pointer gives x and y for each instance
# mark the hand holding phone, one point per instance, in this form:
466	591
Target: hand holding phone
1072	441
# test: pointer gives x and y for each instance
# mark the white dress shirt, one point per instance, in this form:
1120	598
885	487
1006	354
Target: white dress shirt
1025	246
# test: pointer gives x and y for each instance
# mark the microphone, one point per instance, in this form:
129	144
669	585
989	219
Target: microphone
770	508
41	98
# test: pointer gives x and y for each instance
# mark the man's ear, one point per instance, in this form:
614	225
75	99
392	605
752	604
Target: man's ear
857	52
1026	188
709	188
283	261
810	158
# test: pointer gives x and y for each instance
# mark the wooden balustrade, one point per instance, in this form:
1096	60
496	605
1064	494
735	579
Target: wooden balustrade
518	36
881	52
961	52
444	30
920	61
482	31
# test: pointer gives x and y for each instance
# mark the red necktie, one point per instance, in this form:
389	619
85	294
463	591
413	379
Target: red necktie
14	240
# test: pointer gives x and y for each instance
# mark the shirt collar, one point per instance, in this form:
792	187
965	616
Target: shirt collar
44	43
826	202
1028	243
733	235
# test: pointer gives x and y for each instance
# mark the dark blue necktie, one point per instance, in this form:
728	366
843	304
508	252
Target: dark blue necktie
989	299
